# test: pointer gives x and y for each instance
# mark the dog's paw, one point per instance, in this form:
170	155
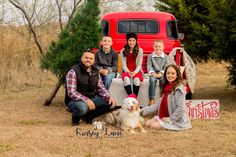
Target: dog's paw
144	131
132	131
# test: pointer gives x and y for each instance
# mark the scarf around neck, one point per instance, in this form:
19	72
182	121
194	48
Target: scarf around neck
163	112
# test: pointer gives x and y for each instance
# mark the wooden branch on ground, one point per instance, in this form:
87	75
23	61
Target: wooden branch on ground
53	94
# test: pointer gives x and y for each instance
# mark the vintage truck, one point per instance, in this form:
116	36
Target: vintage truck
148	26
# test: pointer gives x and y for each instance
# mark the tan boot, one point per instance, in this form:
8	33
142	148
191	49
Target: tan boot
151	102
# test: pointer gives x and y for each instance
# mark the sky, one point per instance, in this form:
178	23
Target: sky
10	15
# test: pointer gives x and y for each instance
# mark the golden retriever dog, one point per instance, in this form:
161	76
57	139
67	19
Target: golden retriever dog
128	116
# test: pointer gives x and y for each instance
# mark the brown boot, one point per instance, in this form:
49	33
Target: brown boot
151	101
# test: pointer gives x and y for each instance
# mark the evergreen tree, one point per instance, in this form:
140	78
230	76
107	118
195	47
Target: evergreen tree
193	21
210	29
224	23
81	33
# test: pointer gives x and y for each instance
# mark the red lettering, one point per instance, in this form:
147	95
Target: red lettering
203	110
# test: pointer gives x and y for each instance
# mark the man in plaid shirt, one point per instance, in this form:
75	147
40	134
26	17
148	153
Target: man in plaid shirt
86	97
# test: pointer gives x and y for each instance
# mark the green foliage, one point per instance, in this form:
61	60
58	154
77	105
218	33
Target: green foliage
193	21
81	33
223	18
225	29
232	74
209	27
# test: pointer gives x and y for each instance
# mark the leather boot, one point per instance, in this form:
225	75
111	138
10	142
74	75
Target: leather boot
128	89
136	90
75	120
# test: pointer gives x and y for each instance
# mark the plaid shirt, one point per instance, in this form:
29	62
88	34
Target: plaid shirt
71	83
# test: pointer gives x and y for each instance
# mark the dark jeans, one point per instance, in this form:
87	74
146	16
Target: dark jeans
80	109
108	79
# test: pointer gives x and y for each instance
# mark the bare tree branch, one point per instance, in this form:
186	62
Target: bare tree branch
18	6
41	17
59	6
124	5
53	94
63	7
35	14
74	9
34	9
2	12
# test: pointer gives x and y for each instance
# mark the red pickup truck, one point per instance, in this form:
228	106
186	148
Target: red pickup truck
148	26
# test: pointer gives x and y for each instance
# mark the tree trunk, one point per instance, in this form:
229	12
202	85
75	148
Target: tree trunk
53	94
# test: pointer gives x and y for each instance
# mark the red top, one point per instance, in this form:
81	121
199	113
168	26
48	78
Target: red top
131	62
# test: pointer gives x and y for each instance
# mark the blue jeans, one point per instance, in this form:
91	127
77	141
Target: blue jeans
80	109
108	79
153	82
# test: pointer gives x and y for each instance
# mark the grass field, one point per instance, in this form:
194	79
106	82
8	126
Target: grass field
28	129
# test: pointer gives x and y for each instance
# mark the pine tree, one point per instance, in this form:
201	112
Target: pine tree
193	21
224	24
210	29
81	33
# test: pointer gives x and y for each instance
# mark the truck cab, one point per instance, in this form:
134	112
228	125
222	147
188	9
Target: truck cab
147	25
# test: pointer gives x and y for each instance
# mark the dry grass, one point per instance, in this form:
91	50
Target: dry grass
29	129
19	59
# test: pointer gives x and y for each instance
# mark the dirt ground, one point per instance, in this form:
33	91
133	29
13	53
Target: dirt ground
29	129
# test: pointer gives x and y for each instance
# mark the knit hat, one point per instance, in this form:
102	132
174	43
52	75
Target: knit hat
130	99
131	35
132	96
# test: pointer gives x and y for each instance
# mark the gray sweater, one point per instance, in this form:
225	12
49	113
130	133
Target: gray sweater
157	64
179	118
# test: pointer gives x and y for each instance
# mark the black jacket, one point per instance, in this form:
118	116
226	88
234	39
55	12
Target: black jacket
86	82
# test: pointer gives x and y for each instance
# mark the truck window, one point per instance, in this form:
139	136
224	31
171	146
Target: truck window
105	28
138	26
172	30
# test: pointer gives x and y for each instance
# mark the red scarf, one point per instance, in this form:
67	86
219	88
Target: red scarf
163	112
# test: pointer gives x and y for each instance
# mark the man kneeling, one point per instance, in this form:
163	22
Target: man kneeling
86	97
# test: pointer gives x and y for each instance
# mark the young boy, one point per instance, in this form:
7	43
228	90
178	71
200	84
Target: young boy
156	64
106	60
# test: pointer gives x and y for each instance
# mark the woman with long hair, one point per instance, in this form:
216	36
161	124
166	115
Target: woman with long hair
171	109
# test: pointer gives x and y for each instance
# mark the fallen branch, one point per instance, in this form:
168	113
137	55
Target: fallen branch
53	94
